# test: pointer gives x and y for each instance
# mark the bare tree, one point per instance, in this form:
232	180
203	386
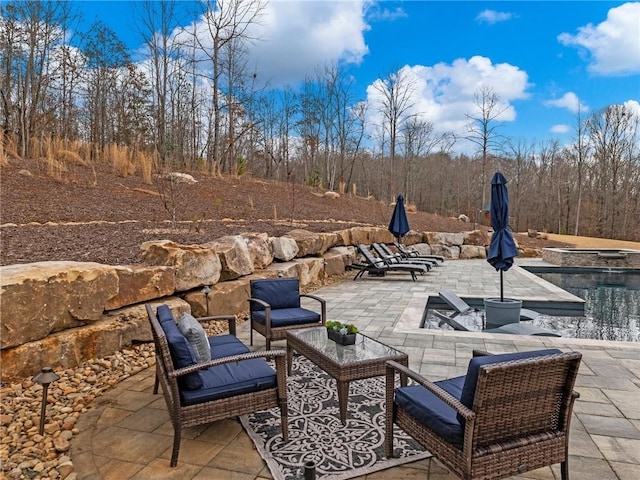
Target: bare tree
227	24
29	31
520	152
157	21
613	133
106	54
483	127
579	152
396	104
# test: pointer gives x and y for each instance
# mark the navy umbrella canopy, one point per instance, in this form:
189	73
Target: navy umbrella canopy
502	248
399	225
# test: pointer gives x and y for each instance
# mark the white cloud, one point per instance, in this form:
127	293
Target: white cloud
560	128
614	45
492	17
634	106
444	94
377	12
570	101
295	38
298	37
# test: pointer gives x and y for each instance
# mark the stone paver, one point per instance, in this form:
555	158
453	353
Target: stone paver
128	436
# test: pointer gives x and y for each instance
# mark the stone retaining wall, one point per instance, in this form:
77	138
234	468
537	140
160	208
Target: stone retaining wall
61	314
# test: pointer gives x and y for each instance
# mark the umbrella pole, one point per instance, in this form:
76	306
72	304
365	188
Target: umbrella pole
501	287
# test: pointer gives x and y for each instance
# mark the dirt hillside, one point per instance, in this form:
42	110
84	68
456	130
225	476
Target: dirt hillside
95	215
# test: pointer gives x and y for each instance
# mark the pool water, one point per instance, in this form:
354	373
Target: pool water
612	309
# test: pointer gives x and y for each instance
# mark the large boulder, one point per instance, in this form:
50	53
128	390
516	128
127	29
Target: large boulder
369	235
37	299
139	283
284	269
69	348
260	249
234	257
284	248
336	260
329	240
310	270
476	237
195	265
381	235
225	298
312	244
472	251
443	238
412	238
445	251
422	249
343	237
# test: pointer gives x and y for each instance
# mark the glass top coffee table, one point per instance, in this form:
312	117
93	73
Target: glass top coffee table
365	359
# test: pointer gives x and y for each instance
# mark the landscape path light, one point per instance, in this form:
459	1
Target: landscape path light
44	378
207	290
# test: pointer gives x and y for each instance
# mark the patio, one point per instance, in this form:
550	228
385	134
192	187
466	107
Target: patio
128	436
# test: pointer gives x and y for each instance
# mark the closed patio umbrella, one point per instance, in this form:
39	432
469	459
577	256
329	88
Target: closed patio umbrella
502	248
399	225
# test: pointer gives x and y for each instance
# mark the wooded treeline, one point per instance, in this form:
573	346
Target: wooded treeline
195	103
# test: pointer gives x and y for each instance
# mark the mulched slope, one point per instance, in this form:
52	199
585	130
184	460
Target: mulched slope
127	212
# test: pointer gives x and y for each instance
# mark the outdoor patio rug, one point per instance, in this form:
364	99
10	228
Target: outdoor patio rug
317	435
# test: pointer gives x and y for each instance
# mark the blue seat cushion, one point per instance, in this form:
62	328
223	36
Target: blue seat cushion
285	317
278	293
432	412
473	370
226	346
231	379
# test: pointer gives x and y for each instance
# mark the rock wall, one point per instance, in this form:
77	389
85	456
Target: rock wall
61	314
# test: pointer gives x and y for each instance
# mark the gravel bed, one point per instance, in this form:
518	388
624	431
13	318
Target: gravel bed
24	453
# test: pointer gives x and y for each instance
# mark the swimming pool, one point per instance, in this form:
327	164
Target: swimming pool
612	309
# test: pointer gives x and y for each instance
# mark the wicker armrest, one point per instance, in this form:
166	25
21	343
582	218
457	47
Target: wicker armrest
481	353
262	303
446	397
323	304
221	361
315	297
231	321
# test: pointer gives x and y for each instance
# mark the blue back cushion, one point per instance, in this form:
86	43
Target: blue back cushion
179	347
164	314
279	293
432	412
473	371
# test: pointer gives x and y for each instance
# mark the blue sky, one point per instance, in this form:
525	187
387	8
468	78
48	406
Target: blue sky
542	58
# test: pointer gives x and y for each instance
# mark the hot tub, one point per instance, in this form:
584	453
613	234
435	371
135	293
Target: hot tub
592	257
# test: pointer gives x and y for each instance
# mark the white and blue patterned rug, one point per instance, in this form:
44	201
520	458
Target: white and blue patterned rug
317	435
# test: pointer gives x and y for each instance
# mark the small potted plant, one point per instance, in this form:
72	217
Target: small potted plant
341	333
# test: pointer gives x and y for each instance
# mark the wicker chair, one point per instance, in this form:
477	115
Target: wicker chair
274	307
508	415
234	382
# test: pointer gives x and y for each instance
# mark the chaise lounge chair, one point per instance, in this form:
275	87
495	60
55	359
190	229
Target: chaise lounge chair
376	267
457	323
406	253
462	308
390	257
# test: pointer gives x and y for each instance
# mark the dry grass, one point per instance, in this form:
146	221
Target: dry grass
146	163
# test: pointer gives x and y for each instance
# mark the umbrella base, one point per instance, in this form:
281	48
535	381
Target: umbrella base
501	312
